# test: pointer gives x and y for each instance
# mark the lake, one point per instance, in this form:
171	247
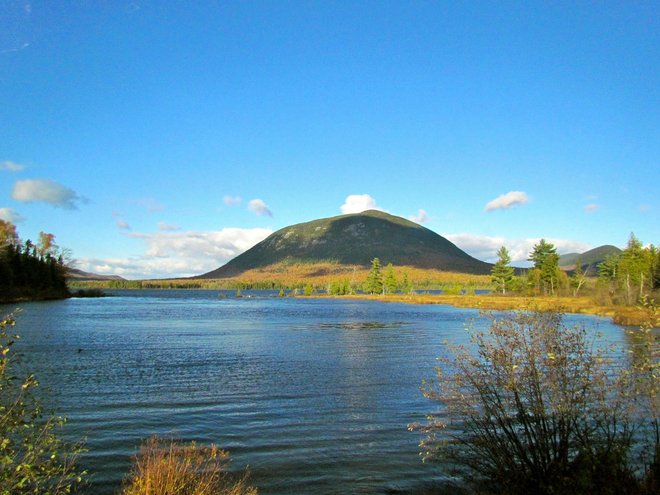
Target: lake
313	394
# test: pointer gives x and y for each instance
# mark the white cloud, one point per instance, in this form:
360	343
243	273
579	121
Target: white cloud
46	191
122	224
10	166
232	200
357	203
259	207
644	208
10	215
485	247
167	228
178	254
421	218
508	200
591	207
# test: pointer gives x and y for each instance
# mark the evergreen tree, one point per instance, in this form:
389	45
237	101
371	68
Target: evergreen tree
546	261
406	284
390	280
635	270
374	283
502	273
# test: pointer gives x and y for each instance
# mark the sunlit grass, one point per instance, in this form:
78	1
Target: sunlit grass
167	467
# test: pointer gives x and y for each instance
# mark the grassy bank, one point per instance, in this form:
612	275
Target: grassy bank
296	276
623	315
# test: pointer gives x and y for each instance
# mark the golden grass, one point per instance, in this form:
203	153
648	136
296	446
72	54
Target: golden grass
293	275
623	315
166	467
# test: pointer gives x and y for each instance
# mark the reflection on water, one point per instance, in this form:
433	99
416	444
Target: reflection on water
315	395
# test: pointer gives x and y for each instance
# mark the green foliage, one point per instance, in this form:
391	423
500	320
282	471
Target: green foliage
406	286
546	276
502	273
535	407
308	289
579	277
374	283
633	274
33	459
390	283
452	290
339	288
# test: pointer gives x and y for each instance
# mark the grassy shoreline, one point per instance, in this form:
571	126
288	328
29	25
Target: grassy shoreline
622	315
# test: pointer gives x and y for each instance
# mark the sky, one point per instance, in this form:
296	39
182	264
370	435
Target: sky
161	139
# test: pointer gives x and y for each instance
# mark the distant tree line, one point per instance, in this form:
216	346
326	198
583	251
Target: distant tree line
29	270
626	278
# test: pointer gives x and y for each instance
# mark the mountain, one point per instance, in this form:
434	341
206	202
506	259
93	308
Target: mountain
591	258
75	274
355	239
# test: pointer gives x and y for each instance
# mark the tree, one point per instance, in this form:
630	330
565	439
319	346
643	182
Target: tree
33	459
46	245
535	407
8	235
546	261
390	280
406	285
579	277
502	273
634	270
374	283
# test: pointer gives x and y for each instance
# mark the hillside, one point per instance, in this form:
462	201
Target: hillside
75	274
591	258
354	239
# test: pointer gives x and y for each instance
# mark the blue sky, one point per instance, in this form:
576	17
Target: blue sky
163	138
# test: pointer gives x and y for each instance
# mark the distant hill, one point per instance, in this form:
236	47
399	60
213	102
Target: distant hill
74	273
355	239
591	258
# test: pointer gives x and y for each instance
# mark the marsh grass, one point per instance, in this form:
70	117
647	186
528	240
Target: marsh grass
168	467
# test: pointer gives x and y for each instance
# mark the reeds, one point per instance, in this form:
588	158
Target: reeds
168	467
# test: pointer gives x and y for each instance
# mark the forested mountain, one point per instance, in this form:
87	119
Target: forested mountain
355	239
590	260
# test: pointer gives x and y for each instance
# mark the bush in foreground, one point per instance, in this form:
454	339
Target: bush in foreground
535	407
166	467
33	458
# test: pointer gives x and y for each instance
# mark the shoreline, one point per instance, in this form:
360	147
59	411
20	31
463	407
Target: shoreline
621	315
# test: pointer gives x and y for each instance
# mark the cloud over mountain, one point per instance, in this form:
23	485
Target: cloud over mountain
357	203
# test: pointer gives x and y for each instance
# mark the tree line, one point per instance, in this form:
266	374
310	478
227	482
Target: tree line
30	270
625	278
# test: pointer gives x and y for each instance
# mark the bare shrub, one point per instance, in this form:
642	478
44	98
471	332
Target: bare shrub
536	407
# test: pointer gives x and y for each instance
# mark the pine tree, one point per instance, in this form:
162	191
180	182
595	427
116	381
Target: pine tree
374	283
502	273
406	284
546	261
390	279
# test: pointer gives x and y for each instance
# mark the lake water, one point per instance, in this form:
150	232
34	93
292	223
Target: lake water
313	394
